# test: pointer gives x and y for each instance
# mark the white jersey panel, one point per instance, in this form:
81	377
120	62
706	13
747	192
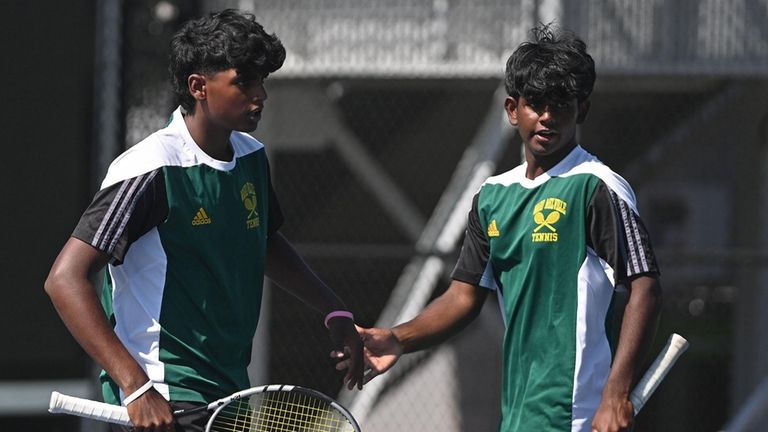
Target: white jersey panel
173	146
137	302
593	353
586	163
578	161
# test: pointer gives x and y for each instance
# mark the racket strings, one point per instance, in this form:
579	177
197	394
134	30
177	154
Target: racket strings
279	421
280	411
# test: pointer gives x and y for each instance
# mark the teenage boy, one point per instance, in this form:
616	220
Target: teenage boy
187	222
554	238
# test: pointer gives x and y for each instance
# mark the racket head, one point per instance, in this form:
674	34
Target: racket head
281	408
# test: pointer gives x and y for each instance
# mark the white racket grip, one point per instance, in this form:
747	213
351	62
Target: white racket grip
64	404
675	347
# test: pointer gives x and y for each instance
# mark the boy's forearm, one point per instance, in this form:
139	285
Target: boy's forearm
442	318
86	322
288	270
637	332
75	299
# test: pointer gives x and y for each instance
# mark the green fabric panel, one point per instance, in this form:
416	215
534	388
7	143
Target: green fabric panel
214	278
537	245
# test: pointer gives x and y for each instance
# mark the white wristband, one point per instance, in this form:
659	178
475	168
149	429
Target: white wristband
135	395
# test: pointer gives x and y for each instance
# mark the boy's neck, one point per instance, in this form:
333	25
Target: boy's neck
211	140
538	165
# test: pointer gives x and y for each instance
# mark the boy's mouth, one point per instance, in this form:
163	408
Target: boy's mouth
255	114
545	133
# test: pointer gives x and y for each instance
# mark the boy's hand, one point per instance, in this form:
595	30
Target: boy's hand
349	350
151	413
382	350
613	415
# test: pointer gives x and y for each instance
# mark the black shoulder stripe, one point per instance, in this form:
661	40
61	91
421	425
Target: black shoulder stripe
119	212
636	254
639	245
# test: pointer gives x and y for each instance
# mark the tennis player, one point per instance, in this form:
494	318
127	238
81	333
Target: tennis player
554	238
187	222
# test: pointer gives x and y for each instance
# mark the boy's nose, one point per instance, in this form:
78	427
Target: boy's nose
259	93
545	115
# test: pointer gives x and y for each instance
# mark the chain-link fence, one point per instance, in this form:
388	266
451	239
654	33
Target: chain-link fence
367	128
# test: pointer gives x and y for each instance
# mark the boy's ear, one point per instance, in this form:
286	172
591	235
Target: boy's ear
196	86
510	107
583	110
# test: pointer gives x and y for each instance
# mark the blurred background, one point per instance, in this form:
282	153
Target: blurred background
381	125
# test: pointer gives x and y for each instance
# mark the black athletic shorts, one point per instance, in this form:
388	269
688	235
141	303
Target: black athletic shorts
188	423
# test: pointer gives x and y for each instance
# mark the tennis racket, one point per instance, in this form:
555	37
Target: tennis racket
675	347
266	408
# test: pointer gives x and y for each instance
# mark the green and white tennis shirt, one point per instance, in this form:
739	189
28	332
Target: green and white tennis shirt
555	248
186	235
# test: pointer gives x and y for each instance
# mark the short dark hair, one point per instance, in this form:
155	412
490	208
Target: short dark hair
220	41
553	65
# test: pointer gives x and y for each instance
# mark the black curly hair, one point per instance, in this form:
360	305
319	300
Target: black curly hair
553	65
221	41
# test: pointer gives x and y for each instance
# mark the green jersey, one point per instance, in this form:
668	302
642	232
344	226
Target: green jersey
555	248
186	235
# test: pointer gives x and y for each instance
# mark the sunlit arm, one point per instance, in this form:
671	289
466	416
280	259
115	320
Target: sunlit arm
442	318
75	299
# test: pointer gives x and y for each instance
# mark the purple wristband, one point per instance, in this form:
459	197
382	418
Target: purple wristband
338	313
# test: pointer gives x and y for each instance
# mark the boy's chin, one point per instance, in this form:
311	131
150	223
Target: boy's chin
538	149
551	147
247	128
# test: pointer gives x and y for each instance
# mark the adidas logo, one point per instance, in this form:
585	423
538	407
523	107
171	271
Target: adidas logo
492	230
201	218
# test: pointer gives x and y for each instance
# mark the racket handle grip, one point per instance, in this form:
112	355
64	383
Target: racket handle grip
675	347
88	409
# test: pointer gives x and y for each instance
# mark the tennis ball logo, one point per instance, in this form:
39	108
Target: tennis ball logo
248	196
546	213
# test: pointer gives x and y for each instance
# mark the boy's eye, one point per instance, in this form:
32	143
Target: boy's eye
552	106
248	82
